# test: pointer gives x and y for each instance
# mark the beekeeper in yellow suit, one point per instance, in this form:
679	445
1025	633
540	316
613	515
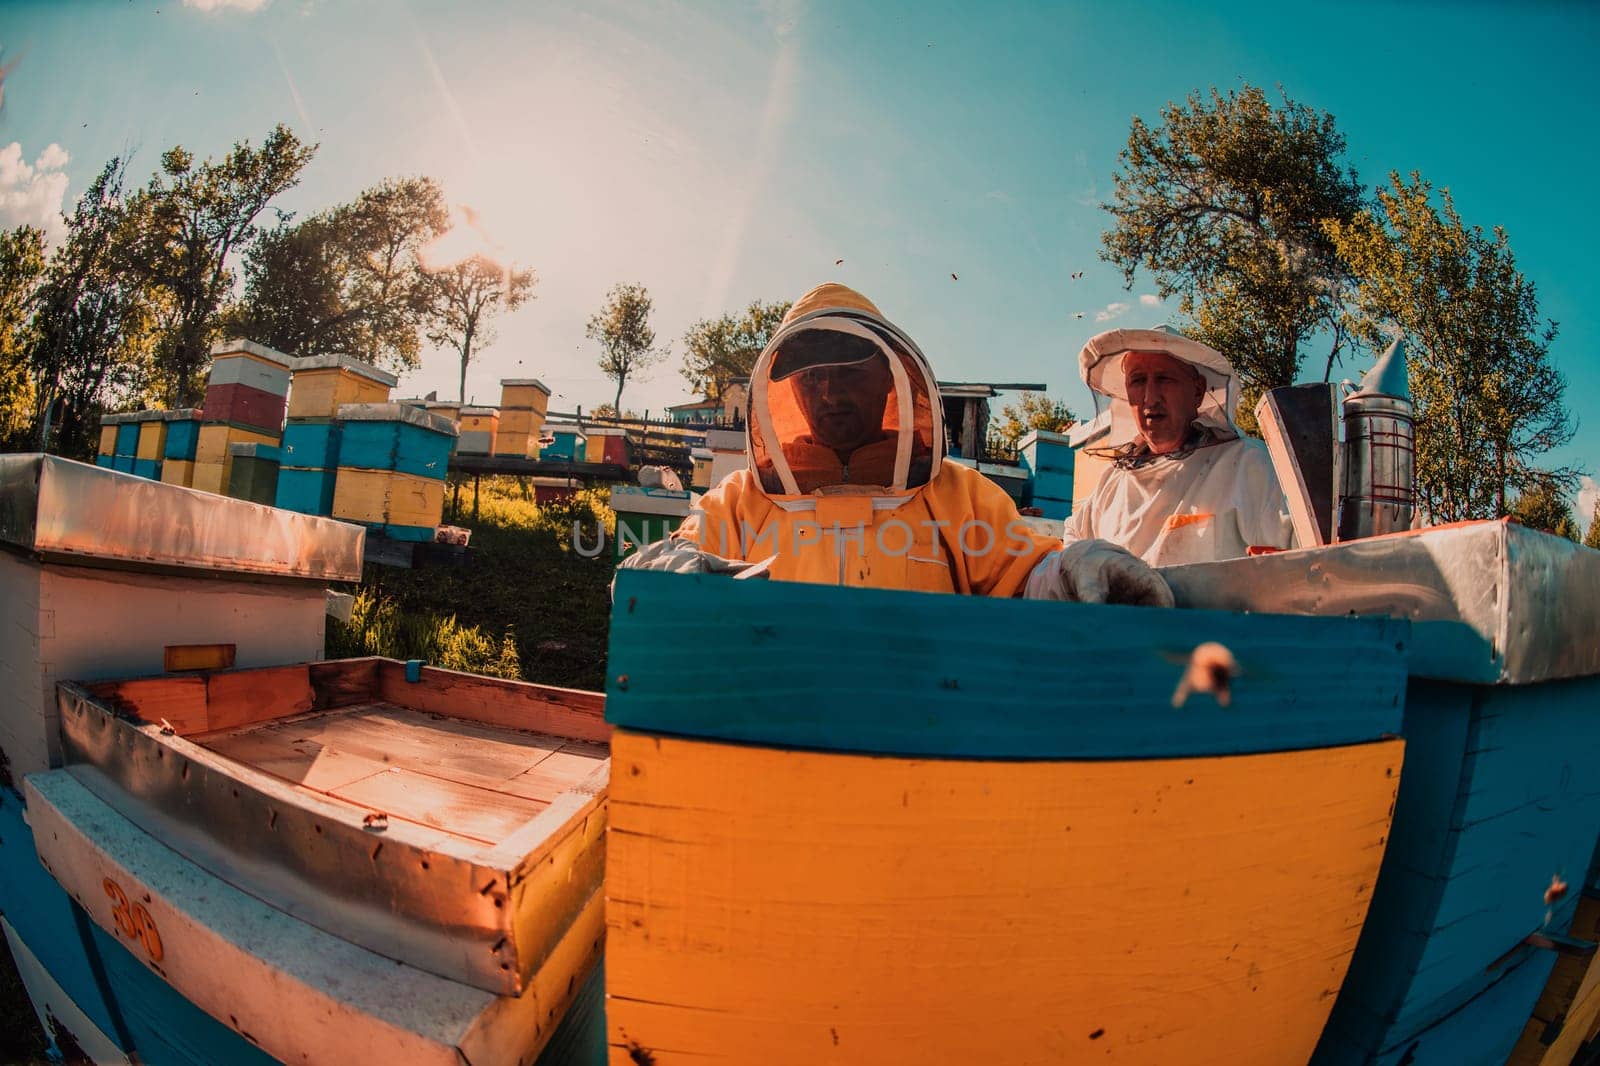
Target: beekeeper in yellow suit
1185	486
847	481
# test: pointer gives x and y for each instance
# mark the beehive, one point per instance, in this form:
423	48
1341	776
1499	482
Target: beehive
213	459
606	444
392	464
567	441
321	384
479	426
253	472
645	516
247	386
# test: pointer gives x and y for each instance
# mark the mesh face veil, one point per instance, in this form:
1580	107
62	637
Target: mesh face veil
1101	365
842	401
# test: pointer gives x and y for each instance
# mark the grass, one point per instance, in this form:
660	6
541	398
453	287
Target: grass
528	603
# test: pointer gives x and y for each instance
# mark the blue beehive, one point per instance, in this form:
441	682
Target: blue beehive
183	433
1048	458
394	436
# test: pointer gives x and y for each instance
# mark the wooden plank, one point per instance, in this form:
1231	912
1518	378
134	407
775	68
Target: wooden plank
300	994
558	773
856	669
563	712
783	906
179	701
297	760
465	810
237	698
343	682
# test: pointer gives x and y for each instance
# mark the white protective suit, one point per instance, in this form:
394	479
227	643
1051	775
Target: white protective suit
1201	505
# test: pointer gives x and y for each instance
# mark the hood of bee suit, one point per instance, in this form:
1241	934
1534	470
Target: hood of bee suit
1100	363
836	333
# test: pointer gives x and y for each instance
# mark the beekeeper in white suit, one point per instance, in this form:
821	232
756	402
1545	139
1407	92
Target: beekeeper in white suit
1185	486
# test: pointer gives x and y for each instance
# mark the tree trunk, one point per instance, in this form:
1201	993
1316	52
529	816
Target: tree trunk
616	404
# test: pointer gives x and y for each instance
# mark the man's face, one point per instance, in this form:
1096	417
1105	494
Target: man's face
1164	393
844	404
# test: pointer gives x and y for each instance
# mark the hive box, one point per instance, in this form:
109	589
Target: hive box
247	385
479	426
1048	457
645	516
401	506
183	433
606	444
213	460
394	436
323	383
518	432
253	473
527	394
311	443
567	442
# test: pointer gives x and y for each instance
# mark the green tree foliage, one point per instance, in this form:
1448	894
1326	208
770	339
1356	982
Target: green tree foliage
1542	506
380	626
348	279
21	270
1031	411
1224	203
95	326
463	300
1591	539
1489	401
627	342
720	350
182	229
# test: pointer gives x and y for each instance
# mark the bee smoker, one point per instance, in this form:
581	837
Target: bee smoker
1379	451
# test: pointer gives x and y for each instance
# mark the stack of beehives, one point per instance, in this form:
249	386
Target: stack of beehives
523	404
393	460
244	404
310	459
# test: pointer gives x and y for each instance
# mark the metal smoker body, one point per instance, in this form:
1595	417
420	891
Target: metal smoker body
1379	452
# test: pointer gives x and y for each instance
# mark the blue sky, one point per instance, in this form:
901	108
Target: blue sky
720	153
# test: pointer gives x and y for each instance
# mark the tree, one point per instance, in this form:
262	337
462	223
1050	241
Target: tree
1225	204
348	279
21	269
185	225
1032	410
1488	400
463	300
622	329
94	328
718	351
1591	539
1542	506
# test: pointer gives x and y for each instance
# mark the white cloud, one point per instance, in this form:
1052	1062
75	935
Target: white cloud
33	195
1588	496
1149	299
1111	310
226	5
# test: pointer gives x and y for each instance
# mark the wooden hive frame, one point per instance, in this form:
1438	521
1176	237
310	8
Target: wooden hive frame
483	908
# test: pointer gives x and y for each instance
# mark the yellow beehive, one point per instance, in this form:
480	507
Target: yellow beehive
152	439
212	461
385	497
178	472
323	383
527	394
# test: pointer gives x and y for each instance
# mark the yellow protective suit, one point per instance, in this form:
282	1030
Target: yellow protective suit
894	513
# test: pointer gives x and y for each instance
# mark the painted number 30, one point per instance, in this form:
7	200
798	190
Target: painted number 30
134	921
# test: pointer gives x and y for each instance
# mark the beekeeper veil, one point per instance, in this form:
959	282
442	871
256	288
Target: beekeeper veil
1101	365
842	401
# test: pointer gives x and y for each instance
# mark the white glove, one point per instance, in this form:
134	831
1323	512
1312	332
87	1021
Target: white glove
682	557
1097	571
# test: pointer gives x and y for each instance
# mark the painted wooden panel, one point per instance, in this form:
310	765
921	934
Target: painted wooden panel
776	906
119	994
529	396
297	993
306	491
1499	796
244	406
475	442
127	439
520	420
372	444
147	468
108	440
385	498
873	670
311	443
320	393
207	477
514	442
253	478
243	369
183	436
215	439
122	463
107	461
152	440
566	712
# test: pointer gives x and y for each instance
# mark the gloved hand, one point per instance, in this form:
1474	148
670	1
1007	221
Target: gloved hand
682	557
1097	571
